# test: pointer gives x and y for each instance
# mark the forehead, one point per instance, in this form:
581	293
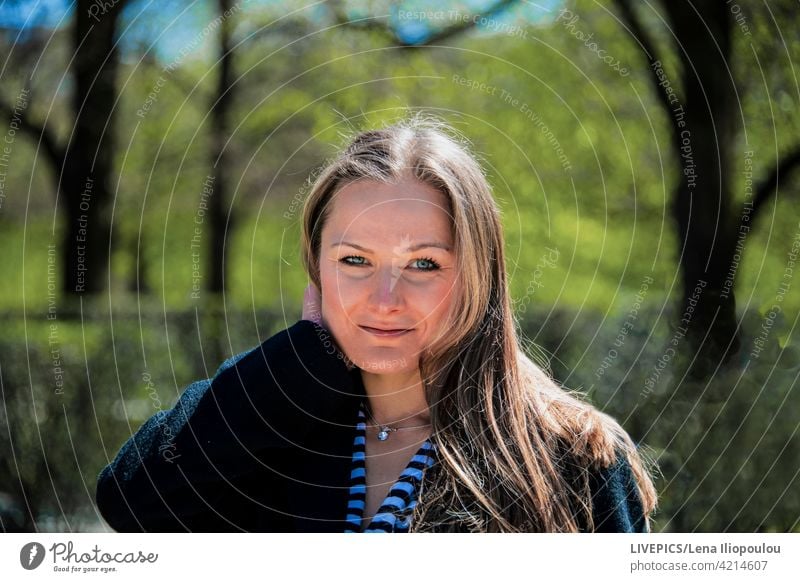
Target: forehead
382	210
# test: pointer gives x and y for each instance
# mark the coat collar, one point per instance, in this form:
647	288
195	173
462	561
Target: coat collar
318	499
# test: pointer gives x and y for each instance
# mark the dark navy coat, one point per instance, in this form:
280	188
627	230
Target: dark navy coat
266	446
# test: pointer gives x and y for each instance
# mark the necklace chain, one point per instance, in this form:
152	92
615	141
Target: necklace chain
384	430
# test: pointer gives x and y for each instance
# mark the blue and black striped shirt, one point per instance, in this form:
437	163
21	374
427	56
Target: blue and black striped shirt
394	514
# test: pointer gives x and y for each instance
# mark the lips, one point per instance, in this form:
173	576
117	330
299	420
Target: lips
384	332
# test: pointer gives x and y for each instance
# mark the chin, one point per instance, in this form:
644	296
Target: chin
386	365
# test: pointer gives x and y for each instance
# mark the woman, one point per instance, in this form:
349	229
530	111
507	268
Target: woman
402	400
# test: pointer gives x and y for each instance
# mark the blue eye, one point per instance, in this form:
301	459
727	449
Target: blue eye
357	261
432	265
346	261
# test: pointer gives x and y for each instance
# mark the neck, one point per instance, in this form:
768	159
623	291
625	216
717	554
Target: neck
396	398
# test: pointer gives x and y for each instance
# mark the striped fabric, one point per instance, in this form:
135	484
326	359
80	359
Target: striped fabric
394	514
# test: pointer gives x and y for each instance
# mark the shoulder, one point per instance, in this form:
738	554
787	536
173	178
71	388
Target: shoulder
616	503
304	342
293	378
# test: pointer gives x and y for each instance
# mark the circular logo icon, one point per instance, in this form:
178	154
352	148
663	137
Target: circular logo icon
31	555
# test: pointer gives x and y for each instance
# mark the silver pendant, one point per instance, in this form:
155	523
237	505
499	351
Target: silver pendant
383	433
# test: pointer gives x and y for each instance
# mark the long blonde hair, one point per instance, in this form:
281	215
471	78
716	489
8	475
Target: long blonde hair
515	449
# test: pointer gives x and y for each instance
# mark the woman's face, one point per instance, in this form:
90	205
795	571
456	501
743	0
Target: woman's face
387	268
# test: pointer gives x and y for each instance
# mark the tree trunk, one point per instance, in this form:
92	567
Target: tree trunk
218	218
86	175
704	132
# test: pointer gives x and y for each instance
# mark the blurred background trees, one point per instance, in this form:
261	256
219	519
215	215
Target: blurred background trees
198	126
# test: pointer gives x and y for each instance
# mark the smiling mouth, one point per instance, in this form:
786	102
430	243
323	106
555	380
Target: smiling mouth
385	332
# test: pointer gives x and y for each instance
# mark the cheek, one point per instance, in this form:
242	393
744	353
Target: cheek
337	294
440	299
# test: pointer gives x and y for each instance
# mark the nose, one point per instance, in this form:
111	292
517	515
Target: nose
386	293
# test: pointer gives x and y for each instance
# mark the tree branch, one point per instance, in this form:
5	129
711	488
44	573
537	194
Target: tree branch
363	24
436	38
41	133
772	182
443	35
634	27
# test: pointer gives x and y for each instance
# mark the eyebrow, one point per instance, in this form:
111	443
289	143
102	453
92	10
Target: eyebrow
411	249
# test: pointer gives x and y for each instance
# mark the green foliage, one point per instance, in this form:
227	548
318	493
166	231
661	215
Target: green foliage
725	448
580	162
